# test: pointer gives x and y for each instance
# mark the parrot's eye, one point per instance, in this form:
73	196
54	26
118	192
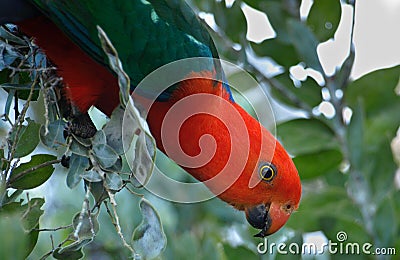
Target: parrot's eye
267	172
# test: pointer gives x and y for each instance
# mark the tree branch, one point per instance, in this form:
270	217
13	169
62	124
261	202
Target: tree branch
54	229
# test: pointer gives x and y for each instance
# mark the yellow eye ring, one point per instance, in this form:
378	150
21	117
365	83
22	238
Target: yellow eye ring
267	172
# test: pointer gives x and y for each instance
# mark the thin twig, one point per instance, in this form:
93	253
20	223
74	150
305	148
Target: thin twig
54	229
115	221
340	82
18	124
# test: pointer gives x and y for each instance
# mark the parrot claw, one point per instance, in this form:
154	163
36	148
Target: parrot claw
81	126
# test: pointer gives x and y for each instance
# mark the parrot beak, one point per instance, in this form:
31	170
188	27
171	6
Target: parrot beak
267	217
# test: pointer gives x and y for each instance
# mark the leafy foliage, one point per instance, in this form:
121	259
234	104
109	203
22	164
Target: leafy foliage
98	160
346	163
149	230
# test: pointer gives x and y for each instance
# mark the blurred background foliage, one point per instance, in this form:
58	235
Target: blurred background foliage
339	131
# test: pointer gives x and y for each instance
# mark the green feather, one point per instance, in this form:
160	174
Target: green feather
146	34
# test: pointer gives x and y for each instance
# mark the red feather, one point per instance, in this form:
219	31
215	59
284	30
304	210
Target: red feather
87	82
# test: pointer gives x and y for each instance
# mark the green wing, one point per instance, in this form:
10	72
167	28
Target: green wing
146	34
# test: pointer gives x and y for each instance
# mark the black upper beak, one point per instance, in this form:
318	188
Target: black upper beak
259	218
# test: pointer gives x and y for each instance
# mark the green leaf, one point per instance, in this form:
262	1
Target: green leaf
322	204
324	18
385	223
5	75
284	54
7	55
36	176
116	66
99	138
11	208
19	224
142	161
85	227
113	181
278	14
105	155
10	197
335	178
9	101
355	137
315	164
381	123
97	190
32	238
257	4
113	131
239	252
55	136
205	6
6	34
377	92
77	166
67	254
16	243
381	128
231	20
78	148
148	238
306	136
379	169
91	176
118	167
30	217
84	142
3	161
305	44
20	85
142	165
376	89
309	92
27	139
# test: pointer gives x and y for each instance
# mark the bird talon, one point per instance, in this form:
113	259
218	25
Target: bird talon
81	126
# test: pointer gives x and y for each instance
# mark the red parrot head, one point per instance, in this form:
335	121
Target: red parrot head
279	192
269	188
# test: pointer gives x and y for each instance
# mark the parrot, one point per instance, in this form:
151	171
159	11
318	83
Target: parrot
148	34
